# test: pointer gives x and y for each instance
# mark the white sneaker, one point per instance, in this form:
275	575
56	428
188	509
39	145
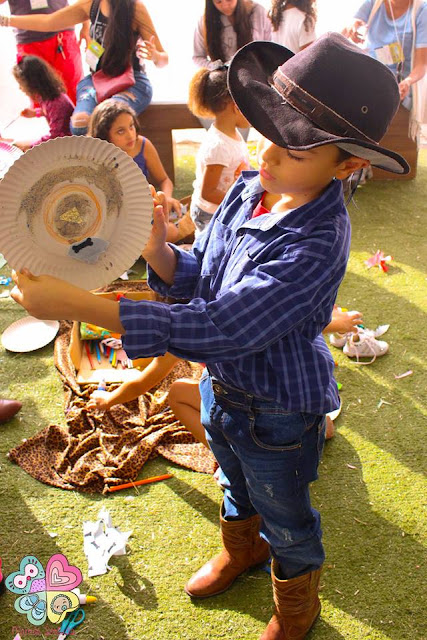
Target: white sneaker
338	339
363	345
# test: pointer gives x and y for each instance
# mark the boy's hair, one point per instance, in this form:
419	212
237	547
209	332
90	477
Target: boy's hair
208	92
343	155
37	78
306	6
214	27
105	114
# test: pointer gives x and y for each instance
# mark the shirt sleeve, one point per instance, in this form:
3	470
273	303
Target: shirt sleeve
200	54
261	24
264	306
55	118
364	11
421	28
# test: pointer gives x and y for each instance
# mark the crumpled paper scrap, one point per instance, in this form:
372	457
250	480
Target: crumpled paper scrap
101	540
380	260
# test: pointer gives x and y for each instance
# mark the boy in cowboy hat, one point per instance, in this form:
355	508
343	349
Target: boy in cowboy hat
263	280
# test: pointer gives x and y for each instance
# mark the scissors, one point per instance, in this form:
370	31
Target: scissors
73	620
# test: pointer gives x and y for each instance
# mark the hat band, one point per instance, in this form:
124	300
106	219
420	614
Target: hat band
319	113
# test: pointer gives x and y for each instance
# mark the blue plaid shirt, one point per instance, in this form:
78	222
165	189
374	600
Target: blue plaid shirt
262	290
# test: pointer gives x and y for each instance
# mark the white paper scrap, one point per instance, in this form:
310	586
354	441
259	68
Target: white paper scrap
101	540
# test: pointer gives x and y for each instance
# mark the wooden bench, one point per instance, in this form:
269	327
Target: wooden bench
161	118
157	123
397	139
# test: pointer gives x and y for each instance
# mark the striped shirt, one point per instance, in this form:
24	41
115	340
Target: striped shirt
261	291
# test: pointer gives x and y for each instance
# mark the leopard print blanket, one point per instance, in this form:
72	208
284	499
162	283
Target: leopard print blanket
94	452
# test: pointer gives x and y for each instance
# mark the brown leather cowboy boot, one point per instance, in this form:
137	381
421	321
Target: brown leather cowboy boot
242	548
297	606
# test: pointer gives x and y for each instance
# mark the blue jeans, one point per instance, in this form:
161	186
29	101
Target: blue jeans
268	457
138	97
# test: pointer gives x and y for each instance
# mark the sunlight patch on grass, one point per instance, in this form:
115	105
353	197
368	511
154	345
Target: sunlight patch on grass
349	625
396	388
411	281
394	495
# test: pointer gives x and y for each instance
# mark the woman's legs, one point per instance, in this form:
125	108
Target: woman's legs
139	95
85	104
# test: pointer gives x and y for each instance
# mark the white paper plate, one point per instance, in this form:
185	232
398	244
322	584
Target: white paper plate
64	191
28	334
8	155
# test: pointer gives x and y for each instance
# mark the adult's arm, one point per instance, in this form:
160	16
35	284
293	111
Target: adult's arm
261	23
59	20
152	48
200	54
360	19
418	72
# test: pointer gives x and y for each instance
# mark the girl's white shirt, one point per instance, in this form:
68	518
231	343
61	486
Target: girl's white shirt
292	33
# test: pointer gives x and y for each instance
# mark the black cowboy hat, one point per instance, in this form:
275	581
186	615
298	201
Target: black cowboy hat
330	92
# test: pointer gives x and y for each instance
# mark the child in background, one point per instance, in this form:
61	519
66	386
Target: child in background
223	154
184	398
261	289
293	23
40	82
116	122
348	333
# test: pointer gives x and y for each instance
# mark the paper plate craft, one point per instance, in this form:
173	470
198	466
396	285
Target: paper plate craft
76	208
29	334
8	155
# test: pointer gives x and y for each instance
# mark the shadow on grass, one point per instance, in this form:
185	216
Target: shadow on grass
371	568
400	432
199	501
34	540
135	587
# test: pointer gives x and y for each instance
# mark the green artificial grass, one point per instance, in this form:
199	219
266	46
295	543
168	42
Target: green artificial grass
370	491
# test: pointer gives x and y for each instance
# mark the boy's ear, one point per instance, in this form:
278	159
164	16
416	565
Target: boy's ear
349	166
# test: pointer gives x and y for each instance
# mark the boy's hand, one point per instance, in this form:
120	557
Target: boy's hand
99	400
44	297
157	240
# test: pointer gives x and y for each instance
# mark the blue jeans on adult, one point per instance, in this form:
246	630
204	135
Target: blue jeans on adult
138	97
268	457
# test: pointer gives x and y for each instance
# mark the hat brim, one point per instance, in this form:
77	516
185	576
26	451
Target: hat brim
249	82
